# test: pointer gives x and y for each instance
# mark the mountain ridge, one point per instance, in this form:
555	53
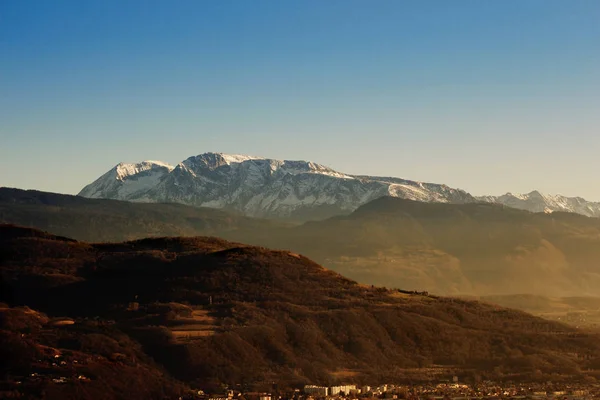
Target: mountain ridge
114	220
286	189
263	187
536	201
456	248
473	248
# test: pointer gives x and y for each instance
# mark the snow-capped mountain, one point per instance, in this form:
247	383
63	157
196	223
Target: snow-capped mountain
128	181
259	187
267	188
538	202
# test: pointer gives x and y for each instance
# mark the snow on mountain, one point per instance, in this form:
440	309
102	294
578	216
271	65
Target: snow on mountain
127	181
259	187
538	202
262	187
237	158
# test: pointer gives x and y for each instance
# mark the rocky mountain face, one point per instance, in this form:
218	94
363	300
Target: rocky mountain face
260	187
538	202
128	181
300	190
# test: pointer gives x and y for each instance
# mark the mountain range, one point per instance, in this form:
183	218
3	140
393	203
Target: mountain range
458	249
537	202
105	220
476	248
297	190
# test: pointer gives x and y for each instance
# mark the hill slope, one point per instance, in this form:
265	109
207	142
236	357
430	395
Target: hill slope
110	220
453	248
477	249
211	311
581	312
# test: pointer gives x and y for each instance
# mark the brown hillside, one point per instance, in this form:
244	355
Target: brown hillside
211	312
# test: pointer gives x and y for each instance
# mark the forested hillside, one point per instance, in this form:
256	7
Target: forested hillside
210	312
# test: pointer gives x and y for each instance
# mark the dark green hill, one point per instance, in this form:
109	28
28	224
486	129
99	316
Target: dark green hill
100	220
211	311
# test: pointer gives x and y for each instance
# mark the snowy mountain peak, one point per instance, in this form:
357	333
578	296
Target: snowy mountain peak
123	170
127	181
535	194
216	160
237	158
259	187
536	201
263	187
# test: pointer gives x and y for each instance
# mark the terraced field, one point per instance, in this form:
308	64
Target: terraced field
201	324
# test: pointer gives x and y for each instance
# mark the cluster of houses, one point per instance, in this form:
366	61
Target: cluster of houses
324	391
440	391
348	391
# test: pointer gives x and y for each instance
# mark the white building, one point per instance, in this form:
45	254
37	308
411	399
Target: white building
346	389
316	390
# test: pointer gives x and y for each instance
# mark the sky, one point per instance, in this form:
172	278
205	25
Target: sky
486	96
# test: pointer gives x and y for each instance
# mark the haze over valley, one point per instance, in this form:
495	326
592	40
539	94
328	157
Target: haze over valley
453	249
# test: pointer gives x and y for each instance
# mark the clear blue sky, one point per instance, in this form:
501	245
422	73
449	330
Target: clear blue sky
488	96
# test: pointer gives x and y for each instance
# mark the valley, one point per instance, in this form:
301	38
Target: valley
581	312
477	249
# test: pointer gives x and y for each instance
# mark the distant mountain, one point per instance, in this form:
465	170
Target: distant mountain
259	187
538	202
101	220
298	190
128	181
456	248
474	248
129	317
